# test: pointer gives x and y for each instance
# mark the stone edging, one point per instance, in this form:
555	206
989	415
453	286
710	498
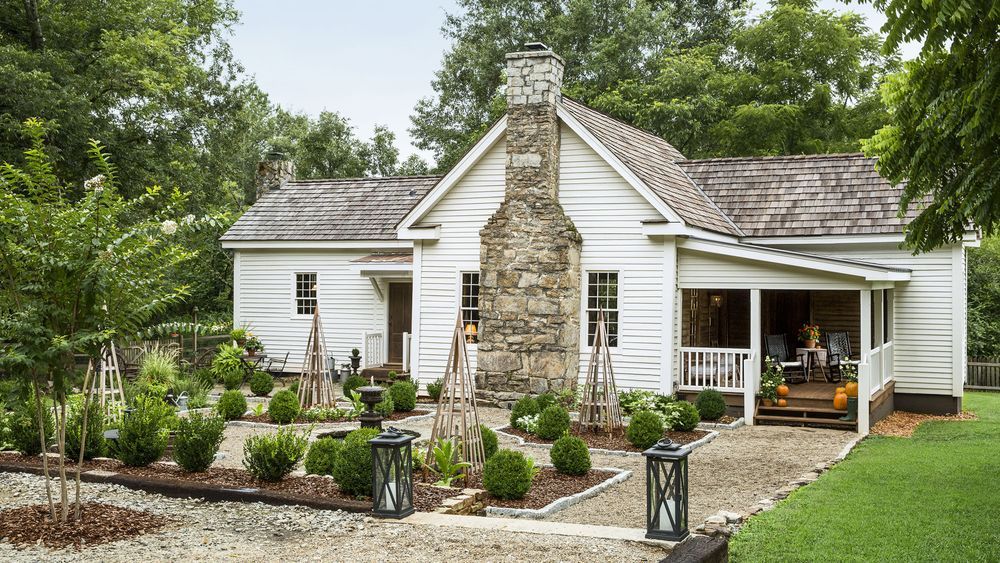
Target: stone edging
250	424
564	502
712	434
719	426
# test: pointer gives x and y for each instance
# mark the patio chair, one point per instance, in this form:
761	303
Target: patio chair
838	353
777	349
276	368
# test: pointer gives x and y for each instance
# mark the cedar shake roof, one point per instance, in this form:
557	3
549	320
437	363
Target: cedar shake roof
350	209
830	194
655	162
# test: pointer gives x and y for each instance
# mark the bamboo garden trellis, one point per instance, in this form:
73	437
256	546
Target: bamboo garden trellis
457	415
107	386
599	407
315	381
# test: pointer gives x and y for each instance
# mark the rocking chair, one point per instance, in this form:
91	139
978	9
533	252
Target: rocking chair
777	350
838	353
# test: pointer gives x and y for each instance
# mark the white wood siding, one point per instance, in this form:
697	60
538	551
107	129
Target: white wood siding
264	299
697	269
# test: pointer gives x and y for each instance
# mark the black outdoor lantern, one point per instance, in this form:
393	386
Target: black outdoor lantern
392	474
666	491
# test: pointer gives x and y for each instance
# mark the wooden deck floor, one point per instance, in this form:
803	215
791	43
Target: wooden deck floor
812	390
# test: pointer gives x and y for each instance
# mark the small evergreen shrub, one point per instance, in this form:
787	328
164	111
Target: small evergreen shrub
553	423
525	406
294	387
352	383
570	455
434	389
322	456
545	400
233	380
490	442
197	441
283	407
270	457
232	405
23	432
386	406
508	474
686	417
142	434
711	404
404	396
644	430
352	469
261	383
96	445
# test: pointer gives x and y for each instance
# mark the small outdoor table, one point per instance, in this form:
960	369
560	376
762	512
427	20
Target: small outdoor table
815	357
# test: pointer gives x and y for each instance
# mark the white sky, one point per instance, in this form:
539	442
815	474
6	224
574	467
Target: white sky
369	60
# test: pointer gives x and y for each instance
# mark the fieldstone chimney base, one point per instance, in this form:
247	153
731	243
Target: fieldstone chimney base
273	173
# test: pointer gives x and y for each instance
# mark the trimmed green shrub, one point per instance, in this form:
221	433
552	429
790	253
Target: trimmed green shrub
545	400
261	383
233	380
570	455
525	406
197	441
23	433
404	396
322	456
270	457
283	407
142	434
96	445
553	423
232	405
352	383
508	474
352	469
645	429
711	404
686	417
386	406
294	387
434	389
490	442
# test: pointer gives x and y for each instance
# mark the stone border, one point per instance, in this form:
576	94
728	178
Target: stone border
712	434
564	502
250	424
719	426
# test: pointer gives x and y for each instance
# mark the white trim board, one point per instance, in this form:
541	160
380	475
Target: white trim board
317	244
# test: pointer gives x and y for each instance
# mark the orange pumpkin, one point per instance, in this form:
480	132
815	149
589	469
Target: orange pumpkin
782	390
840	399
851	388
782	403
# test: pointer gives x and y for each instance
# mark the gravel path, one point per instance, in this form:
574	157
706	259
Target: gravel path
255	532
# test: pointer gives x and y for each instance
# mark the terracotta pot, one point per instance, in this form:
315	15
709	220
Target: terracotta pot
782	403
810	343
851	388
840	399
782	390
768	402
251	353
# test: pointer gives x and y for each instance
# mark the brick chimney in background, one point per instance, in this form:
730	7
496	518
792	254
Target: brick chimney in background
529	257
273	172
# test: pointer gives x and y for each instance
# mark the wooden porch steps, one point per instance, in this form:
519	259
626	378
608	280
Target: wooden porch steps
813	416
381	373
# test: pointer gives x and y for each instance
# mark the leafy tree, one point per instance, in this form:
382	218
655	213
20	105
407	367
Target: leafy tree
604	42
943	136
984	298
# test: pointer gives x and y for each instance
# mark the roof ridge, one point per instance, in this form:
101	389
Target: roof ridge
820	156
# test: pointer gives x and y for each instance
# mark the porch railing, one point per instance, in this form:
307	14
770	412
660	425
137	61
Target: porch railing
715	368
881	364
407	342
373	348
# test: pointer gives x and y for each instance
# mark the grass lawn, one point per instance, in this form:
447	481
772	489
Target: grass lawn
932	497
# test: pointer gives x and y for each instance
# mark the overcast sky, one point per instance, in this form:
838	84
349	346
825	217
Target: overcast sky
370	60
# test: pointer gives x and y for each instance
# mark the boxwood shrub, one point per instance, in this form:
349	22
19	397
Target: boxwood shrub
322	456
570	455
525	406
24	428
507	474
553	422
545	400
197	441
711	404
142	434
490	442
232	404
352	383
686	416
270	457
645	429
404	396
352	469
386	406
434	389
283	407
96	444
261	383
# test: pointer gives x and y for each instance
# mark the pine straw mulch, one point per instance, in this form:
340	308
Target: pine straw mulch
264	418
903	424
615	441
100	523
548	486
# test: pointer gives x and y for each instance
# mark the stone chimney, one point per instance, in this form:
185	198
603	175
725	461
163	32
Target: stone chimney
529	294
273	172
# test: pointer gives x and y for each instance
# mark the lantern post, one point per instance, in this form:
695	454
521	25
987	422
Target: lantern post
392	474
666	491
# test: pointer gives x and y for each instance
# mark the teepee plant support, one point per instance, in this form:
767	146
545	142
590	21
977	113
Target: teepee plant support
599	408
315	381
107	385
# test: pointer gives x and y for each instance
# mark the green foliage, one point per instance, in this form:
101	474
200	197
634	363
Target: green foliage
23	424
525	406
711	404
196	386
357	407
570	455
490	441
232	405
434	389
261	383
685	417
322	456
944	129
984	298
644	429
197	441
142	434
352	383
508	474
353	468
159	366
284	407
446	464
553	422
270	457
95	445
227	366
386	406
636	400
545	400
404	396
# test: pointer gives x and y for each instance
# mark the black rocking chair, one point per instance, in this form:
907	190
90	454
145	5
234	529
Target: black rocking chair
777	350
838	353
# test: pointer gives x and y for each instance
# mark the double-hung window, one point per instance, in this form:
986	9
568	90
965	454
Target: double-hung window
306	296
602	295
470	306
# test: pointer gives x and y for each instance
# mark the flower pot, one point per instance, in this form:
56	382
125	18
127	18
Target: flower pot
782	403
782	390
241	342
251	353
767	402
851	388
840	399
810	343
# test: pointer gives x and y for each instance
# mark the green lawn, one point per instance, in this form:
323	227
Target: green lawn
932	497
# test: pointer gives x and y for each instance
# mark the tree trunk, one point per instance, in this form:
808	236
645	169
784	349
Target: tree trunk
83	434
63	489
34	25
39	410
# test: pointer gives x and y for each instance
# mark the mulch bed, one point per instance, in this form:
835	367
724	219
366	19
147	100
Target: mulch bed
264	418
614	441
548	486
100	523
725	419
903	424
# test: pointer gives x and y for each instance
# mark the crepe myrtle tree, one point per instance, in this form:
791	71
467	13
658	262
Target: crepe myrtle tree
80	265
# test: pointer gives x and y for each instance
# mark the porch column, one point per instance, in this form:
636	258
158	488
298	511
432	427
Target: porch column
751	372
671	300
865	368
878	339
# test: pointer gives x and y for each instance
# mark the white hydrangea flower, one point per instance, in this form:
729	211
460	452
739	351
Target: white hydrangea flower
168	227
188	219
96	183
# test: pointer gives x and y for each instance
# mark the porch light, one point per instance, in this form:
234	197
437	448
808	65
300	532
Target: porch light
716	300
470	333
666	491
392	474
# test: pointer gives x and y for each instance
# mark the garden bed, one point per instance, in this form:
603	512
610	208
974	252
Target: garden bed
394	417
100	523
604	441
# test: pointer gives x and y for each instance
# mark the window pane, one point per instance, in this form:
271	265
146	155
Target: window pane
602	294
469	300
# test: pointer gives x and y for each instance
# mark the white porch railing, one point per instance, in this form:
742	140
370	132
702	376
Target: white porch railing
882	366
716	368
751	384
407	341
373	349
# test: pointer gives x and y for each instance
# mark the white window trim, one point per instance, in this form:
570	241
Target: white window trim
585	309
460	278
295	298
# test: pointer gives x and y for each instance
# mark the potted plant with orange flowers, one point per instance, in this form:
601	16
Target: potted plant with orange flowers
809	335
